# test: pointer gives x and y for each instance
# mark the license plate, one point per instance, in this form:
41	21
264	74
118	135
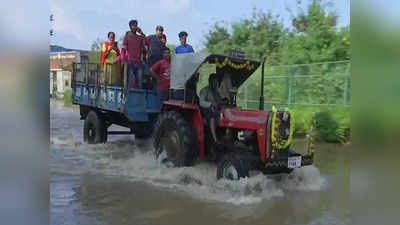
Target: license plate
294	162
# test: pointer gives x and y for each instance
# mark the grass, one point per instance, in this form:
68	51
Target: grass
68	97
332	124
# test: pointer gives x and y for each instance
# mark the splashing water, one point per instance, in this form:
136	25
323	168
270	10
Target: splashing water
135	161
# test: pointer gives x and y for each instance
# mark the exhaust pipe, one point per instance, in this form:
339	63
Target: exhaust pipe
261	107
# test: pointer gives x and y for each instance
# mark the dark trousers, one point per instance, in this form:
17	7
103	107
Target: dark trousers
189	97
178	94
153	59
135	72
162	96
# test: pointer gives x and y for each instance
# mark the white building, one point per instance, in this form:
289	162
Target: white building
61	70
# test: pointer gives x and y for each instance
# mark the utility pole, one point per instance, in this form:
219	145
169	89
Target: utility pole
346	86
290	86
51	21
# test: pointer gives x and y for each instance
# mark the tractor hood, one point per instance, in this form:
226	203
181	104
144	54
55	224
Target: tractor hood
184	66
243	117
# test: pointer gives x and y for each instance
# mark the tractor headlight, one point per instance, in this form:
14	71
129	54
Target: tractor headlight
287	132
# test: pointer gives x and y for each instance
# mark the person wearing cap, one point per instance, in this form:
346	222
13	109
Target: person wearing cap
184	47
155	46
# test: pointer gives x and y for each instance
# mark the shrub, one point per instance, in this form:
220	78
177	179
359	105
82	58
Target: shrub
342	117
332	124
68	97
302	120
326	126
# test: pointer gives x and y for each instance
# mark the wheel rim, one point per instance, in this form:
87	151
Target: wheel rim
230	172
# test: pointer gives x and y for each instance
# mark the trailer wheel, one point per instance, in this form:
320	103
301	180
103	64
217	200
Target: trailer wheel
176	137
94	130
233	166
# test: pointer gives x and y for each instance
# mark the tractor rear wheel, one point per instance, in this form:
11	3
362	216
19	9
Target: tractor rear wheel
233	166
176	137
94	129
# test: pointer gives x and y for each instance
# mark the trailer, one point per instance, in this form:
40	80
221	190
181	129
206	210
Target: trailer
247	139
102	105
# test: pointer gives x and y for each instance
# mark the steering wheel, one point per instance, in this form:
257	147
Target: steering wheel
225	101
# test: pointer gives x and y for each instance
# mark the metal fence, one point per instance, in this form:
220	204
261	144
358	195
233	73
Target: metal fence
316	84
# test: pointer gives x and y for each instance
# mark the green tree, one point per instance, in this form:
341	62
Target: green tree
297	69
316	38
258	36
261	35
171	48
94	53
218	39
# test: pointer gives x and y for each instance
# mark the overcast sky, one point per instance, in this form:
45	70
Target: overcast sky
78	23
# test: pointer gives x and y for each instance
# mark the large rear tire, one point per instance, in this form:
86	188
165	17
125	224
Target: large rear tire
94	129
233	166
176	137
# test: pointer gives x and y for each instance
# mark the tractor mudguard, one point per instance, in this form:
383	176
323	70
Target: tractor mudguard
192	114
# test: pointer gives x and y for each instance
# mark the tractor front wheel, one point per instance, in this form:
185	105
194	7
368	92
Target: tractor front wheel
233	166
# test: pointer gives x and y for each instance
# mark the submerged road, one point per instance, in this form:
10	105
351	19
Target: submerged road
120	182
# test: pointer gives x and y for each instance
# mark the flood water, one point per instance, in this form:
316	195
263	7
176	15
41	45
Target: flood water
120	182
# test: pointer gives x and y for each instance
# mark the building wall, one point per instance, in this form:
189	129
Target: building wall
51	76
63	82
59	62
51	83
66	80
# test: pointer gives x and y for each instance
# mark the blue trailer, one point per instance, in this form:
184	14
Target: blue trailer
102	105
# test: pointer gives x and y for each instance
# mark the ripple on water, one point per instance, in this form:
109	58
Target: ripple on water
135	161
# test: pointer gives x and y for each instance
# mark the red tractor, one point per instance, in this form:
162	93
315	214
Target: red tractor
247	139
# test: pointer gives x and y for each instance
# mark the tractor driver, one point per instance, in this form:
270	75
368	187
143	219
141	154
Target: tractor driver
209	103
225	88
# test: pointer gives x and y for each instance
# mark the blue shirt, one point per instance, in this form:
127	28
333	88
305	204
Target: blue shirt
184	49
